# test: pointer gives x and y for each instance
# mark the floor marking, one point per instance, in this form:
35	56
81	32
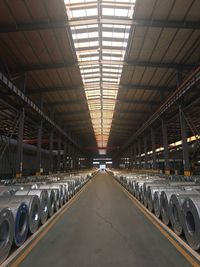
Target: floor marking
166	231
17	257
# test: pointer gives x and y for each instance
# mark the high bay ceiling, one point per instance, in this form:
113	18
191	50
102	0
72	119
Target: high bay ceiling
100	47
99	68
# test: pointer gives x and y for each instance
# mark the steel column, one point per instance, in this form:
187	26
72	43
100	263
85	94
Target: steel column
19	160
51	143
139	154
185	148
153	148
165	144
39	153
135	155
21	82
65	156
59	153
145	152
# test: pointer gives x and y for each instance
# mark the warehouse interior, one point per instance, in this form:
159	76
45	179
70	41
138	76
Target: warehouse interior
93	90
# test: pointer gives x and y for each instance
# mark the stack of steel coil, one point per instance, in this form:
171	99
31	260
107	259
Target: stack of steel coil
176	202
27	203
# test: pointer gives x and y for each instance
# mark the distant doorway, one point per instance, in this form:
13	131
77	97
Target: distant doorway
102	167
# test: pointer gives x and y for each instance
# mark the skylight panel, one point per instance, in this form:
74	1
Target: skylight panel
100	60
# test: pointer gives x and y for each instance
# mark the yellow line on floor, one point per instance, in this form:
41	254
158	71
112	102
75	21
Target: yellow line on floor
159	226
58	215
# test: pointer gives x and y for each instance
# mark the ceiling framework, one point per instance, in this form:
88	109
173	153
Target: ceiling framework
100	48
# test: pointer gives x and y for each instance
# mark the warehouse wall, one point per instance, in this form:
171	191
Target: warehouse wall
8	161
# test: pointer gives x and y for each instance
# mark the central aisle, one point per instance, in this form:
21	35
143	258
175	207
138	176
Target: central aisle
103	228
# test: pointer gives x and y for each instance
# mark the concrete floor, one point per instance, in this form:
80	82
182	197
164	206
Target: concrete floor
103	228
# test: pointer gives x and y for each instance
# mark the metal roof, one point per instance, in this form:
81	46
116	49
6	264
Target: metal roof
101	67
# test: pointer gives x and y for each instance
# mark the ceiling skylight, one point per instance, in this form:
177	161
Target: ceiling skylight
100	39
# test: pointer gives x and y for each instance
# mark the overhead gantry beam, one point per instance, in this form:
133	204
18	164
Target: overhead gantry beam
47	25
135	63
78	102
81	88
55	89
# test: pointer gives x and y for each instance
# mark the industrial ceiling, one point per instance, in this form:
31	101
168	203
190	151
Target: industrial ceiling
99	68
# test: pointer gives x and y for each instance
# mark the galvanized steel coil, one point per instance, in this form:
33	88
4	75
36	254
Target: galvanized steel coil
175	209
44	201
6	232
191	221
20	213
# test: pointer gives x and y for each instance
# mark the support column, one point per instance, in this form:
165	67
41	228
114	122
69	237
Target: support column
145	152
39	169
165	144
19	160
51	151
59	153
153	148
131	157
185	148
65	156
139	153
21	83
135	155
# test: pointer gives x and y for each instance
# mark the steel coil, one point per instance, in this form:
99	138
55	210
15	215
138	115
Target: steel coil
191	221
164	203
56	193
175	210
6	232
156	203
44	201
20	213
52	200
33	204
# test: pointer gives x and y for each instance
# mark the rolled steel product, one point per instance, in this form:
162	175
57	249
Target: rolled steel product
191	221
44	201
56	194
21	218
52	201
150	194
33	204
6	232
65	191
164	203
60	187
153	183
182	183
156	203
175	210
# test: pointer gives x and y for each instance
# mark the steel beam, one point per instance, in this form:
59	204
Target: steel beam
47	25
65	156
4	81
144	87
55	89
135	156
135	63
59	153
19	159
153	148
51	143
78	102
165	144
185	147
137	23
139	154
145	152
188	84
39	150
